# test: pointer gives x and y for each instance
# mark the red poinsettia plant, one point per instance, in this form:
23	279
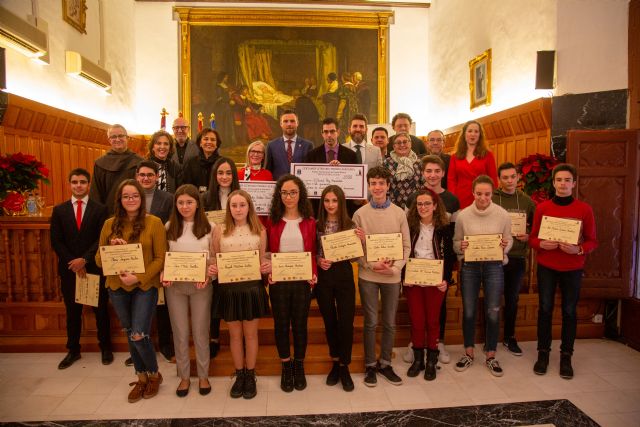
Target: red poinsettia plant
19	173
536	176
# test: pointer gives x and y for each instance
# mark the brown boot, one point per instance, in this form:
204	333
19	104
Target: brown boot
138	387
153	385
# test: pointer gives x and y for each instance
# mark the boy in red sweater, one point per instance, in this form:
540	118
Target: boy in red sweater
561	263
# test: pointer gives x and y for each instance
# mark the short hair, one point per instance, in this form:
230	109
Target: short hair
379	172
117	125
359	117
380	128
147	164
250	147
400	116
434	131
289	111
482	179
330	120
156	136
505	166
332	76
565	167
205	131
79	171
431	159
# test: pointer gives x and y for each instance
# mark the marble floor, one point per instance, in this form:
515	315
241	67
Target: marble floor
606	387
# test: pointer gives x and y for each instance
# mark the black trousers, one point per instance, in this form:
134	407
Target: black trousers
74	314
336	295
290	307
163	323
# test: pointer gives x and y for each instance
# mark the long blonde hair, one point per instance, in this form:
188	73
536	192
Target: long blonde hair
461	145
252	219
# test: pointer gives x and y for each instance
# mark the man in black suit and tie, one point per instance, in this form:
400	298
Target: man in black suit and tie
289	148
75	230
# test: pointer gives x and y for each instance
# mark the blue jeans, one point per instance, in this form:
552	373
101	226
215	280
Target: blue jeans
135	310
570	291
490	275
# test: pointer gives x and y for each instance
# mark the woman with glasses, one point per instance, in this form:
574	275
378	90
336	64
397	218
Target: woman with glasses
134	295
197	170
161	148
291	228
254	167
406	176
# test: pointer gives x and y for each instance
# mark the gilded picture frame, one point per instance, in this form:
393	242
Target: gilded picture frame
279	47
480	80
74	12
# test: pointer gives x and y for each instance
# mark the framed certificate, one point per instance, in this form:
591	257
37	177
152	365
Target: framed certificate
291	266
88	289
185	266
384	246
217	217
484	247
261	193
424	272
341	246
560	229
518	223
239	266
317	176
118	259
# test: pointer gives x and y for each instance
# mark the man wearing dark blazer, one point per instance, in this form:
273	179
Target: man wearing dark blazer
287	149
75	230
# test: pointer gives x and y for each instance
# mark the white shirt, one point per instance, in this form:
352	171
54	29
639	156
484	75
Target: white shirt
74	202
291	238
424	245
363	149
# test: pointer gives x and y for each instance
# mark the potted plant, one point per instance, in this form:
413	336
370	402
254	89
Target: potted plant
536	176
19	174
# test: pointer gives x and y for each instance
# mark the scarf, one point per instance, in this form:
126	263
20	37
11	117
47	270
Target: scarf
405	165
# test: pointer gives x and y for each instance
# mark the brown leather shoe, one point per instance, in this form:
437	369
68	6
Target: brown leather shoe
153	385
139	388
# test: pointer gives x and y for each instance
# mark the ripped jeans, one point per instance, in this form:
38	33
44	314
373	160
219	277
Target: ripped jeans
490	274
135	311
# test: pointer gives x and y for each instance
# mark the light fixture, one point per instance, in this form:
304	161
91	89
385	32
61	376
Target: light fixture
18	34
80	67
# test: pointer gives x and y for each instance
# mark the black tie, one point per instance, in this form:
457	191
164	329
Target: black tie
358	153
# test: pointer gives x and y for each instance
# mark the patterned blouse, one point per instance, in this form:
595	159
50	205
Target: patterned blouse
400	191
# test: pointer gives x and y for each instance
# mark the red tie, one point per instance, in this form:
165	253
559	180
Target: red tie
79	214
289	151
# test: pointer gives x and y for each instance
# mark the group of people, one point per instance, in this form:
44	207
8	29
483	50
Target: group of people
433	200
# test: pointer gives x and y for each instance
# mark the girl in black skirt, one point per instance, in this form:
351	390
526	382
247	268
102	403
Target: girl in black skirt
241	304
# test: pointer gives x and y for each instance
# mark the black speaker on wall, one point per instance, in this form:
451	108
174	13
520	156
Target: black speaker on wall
546	69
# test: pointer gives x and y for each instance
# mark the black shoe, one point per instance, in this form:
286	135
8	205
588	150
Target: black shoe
299	380
389	375
345	378
432	363
168	353
69	359
512	345
107	357
370	376
237	389
214	348
204	390
540	367
183	392
566	370
128	362
250	389
286	379
418	363
334	374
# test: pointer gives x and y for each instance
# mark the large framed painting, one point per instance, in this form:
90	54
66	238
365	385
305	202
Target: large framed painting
247	66
480	79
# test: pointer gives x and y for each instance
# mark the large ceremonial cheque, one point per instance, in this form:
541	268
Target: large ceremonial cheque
118	259
560	229
484	247
341	246
261	193
185	267
291	266
241	266
317	176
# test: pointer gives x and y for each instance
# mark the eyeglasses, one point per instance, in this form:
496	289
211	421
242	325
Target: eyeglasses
256	152
146	175
180	127
436	140
396	142
424	204
132	197
120	136
329	131
291	194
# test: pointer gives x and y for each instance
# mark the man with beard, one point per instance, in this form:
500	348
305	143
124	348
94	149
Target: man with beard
287	149
365	153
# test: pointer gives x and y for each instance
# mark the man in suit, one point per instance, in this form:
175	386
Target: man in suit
435	144
365	153
401	123
287	149
380	139
75	230
185	148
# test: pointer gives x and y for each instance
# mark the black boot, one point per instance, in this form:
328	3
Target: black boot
334	374
418	362
286	381
566	370
299	380
540	367
238	386
250	389
432	362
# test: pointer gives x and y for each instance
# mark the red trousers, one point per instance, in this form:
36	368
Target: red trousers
424	311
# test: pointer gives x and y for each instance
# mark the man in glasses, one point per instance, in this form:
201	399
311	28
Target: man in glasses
401	123
109	170
185	148
435	145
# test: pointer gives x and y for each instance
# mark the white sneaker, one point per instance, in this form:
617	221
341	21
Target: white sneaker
408	354
444	356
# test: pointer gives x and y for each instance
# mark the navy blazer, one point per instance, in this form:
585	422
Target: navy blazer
276	155
161	205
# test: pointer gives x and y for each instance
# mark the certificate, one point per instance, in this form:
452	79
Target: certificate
239	266
185	267
118	259
341	246
291	266
518	223
317	176
560	229
261	193
88	289
384	246
424	272
484	247
217	217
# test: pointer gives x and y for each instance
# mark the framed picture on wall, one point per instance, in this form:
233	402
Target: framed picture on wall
74	12
480	79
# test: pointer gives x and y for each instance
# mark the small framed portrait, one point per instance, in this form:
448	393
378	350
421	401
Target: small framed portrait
74	12
480	79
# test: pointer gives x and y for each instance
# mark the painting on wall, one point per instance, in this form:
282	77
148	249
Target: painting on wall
247	66
480	79
74	12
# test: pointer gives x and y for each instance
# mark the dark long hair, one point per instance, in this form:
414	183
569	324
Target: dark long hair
277	207
344	221
201	226
212	200
120	217
440	218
